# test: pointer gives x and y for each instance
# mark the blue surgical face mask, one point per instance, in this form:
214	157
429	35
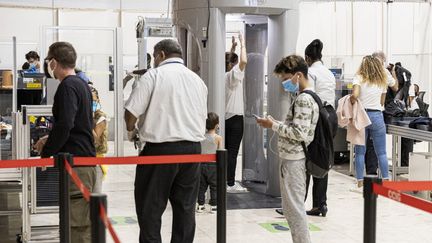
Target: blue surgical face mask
289	86
96	106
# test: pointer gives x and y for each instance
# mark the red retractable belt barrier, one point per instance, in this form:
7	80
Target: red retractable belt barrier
77	181
393	190
86	194
107	223
141	160
402	197
23	163
408	185
88	161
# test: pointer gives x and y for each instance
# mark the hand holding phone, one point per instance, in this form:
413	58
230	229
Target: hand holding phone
256	116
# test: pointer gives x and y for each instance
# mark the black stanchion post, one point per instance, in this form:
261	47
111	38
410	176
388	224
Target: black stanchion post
97	225
370	209
64	198
221	160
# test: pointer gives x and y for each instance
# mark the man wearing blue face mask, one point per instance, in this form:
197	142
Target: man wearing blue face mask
298	127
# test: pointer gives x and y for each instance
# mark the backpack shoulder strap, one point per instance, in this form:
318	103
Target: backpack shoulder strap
305	150
315	97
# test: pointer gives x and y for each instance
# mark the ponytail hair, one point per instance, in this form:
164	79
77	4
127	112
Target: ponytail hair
314	50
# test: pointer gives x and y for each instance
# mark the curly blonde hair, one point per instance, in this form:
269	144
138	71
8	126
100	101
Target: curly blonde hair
372	72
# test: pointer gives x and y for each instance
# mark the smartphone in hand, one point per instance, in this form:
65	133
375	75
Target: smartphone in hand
256	116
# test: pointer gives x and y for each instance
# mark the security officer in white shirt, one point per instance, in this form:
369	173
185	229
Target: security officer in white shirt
234	109
325	87
173	100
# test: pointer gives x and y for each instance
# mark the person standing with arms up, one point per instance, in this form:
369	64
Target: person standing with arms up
173	100
324	83
234	109
370	88
72	133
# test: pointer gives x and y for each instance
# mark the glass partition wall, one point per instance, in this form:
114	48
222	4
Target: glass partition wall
100	57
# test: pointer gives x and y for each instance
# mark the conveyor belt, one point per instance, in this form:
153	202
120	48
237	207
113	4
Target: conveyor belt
411	133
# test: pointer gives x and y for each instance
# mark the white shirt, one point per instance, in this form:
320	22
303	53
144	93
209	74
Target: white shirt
414	105
390	78
234	103
323	81
370	94
173	100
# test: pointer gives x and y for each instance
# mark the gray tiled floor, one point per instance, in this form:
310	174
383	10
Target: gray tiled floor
397	223
344	222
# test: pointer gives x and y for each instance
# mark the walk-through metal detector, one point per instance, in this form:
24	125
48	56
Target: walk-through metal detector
270	26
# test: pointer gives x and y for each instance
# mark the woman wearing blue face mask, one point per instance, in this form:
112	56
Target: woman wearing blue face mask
33	62
298	127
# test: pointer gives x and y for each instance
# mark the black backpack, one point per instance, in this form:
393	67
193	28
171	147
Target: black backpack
320	152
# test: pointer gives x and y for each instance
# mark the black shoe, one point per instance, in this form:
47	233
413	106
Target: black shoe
279	211
318	211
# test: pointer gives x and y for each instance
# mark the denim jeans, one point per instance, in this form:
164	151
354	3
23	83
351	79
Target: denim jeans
377	130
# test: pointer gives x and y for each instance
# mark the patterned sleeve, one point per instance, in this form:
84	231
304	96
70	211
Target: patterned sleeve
299	128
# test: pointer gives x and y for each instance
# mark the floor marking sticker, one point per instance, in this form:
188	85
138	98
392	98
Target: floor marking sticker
120	220
278	227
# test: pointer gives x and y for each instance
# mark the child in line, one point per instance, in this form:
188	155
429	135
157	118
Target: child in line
211	143
100	134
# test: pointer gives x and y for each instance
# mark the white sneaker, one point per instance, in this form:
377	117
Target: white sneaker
357	188
213	209
200	209
237	187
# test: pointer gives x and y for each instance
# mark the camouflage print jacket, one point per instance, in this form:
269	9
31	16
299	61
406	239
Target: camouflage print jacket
298	127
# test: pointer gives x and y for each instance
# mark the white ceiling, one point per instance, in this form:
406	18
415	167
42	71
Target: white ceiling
134	5
148	5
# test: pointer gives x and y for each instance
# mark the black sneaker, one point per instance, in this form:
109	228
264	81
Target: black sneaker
279	211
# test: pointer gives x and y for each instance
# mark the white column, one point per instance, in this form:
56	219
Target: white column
213	65
282	41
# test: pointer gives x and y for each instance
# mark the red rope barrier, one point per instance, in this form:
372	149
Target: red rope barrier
403	198
75	178
86	195
107	223
408	185
141	160
80	161
24	163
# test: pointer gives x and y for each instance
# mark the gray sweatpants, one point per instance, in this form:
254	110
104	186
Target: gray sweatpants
293	190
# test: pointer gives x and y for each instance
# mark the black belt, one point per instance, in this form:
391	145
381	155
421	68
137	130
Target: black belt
372	110
171	143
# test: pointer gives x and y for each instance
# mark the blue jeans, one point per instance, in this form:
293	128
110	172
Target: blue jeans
377	130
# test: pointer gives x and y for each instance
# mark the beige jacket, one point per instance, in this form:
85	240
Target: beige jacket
355	118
